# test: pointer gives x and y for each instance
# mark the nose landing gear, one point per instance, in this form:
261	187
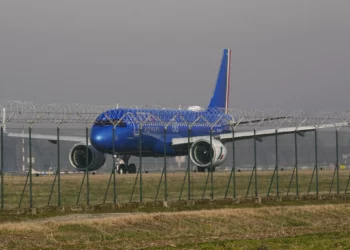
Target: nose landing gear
122	165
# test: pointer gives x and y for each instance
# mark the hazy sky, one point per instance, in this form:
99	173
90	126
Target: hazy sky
291	54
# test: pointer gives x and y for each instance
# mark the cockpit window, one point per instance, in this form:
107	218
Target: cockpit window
107	122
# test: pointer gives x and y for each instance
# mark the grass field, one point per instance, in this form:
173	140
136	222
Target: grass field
70	186
293	227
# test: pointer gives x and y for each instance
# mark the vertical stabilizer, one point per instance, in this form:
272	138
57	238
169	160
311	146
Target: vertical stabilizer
221	94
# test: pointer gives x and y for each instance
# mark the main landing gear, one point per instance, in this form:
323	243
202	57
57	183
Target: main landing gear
124	169
123	166
202	169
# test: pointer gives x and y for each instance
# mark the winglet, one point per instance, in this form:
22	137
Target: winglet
221	94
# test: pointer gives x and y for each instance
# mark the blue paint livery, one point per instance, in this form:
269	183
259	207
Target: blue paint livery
150	124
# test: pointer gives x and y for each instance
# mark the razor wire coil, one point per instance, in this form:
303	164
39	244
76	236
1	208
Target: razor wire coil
33	113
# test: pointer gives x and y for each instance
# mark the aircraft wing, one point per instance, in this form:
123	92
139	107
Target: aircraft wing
258	133
51	138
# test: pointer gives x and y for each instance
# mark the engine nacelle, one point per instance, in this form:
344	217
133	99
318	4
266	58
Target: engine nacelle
77	157
200	153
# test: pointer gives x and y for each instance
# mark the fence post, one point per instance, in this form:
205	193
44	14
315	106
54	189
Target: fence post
211	165
163	171
336	168
189	164
296	162
24	189
109	182
233	170
234	163
275	171
140	159
133	188
165	168
114	177
2	166
277	180
316	161
87	166
255	173
81	188
58	169
30	169
57	173
337	158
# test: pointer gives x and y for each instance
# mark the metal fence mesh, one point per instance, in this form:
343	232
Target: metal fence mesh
37	173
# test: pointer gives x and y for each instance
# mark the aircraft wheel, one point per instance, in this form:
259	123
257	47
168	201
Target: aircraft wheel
132	168
122	169
200	169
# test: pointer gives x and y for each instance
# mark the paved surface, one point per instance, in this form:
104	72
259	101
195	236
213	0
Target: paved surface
80	217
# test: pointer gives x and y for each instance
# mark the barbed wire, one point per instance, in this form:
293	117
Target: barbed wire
32	113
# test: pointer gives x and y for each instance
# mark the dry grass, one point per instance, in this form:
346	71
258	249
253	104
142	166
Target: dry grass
70	185
176	228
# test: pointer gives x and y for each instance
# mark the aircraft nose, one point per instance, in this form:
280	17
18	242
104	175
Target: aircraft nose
101	138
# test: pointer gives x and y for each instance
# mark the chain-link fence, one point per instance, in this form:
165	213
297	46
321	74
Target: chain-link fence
170	154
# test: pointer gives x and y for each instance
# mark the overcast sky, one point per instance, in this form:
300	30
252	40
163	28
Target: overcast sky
285	54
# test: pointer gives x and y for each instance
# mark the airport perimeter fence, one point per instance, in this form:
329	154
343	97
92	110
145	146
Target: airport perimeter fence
162	180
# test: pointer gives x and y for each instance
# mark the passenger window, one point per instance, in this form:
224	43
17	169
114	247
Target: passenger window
109	123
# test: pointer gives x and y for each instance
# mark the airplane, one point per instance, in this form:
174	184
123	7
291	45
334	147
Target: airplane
160	131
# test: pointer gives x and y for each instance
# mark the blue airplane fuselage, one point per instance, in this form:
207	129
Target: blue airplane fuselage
154	126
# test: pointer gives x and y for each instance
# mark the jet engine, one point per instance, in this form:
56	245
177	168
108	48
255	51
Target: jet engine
200	153
77	157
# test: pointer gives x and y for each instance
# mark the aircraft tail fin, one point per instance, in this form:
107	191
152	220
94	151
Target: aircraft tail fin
220	97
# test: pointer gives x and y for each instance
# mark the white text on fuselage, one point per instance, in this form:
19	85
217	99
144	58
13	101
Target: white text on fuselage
151	129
